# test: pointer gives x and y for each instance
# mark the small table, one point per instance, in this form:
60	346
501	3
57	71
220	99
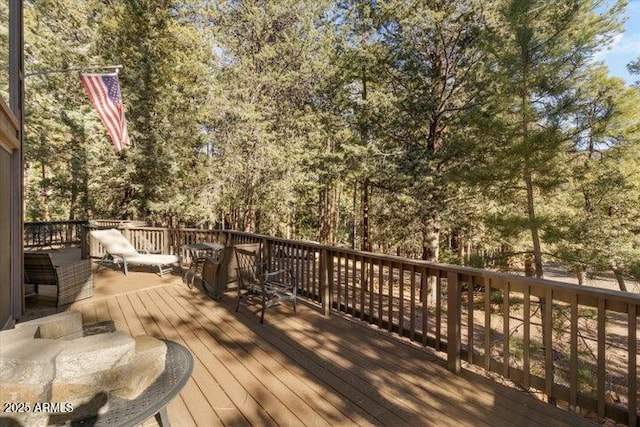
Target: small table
199	252
154	400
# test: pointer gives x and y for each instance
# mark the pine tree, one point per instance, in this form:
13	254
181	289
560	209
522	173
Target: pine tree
434	63
271	62
165	86
540	49
599	210
61	130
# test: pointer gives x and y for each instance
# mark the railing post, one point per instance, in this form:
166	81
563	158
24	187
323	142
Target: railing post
326	279
266	250
454	317
126	232
84	242
166	242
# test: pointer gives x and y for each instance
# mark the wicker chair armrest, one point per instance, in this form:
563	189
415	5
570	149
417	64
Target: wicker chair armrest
38	269
75	281
73	273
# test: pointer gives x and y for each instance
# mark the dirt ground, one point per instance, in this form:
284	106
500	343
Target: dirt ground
604	281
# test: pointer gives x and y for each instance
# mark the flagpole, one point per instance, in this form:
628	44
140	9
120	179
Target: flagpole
71	70
104	93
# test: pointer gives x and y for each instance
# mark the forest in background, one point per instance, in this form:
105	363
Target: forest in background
472	132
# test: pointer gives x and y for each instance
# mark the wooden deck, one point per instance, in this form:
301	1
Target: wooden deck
303	368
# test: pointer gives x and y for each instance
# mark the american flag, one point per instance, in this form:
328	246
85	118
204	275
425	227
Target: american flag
104	92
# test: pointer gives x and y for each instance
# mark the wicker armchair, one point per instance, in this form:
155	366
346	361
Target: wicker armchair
72	279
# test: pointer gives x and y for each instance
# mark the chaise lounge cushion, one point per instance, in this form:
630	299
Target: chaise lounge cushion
119	249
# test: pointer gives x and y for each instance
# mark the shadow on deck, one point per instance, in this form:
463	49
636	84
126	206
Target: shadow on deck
303	368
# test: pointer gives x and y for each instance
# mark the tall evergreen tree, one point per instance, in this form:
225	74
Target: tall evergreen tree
165	86
61	130
599	210
271	59
540	49
434	65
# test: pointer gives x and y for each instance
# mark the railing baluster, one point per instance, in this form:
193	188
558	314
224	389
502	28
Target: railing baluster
547	330
632	377
602	315
526	339
390	297
438	310
314	274
506	352
363	284
424	306
339	282
309	266
380	287
401	299
470	321
325	272
412	307
371	289
346	283
300	261
573	353
354	287
454	305
487	325
331	281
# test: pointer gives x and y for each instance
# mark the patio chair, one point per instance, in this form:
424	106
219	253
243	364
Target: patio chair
70	277
119	250
255	282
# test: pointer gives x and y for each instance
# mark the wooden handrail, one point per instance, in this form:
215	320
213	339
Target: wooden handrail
46	234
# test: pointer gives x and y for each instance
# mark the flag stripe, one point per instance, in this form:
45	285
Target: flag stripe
104	93
106	110
107	113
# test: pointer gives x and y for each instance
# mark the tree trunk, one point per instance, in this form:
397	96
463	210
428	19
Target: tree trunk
618	273
364	137
327	214
529	271
324	215
430	247
431	253
44	194
249	217
580	274
366	243
73	202
354	223
535	235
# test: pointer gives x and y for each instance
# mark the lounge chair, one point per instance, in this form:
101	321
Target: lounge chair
118	249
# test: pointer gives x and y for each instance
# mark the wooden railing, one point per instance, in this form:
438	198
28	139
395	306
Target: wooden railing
118	223
53	234
577	345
